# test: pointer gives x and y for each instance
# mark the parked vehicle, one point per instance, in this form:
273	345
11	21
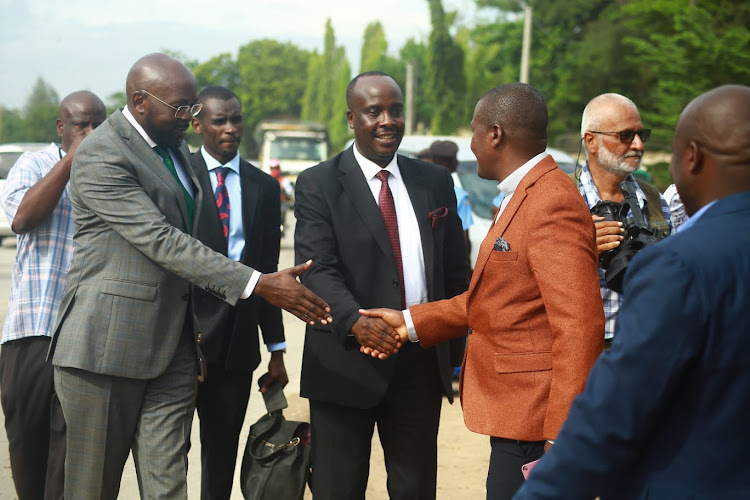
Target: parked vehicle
296	145
9	154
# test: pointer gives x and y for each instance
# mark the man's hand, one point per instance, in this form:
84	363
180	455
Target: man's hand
395	319
276	371
608	234
283	290
376	337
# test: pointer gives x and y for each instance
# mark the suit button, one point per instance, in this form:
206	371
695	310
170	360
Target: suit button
394	283
470	330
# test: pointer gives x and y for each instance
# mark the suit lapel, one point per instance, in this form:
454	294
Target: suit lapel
498	228
250	202
419	195
145	155
355	186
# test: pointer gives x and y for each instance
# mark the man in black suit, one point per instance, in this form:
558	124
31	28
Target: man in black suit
250	235
383	231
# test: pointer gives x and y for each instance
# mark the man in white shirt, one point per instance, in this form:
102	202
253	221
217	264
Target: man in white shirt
383	231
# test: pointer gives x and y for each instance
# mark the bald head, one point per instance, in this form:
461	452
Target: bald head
157	70
80	113
157	85
602	108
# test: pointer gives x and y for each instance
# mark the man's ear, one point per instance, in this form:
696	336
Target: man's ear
497	134
590	142
350	118
196	126
140	104
59	125
694	158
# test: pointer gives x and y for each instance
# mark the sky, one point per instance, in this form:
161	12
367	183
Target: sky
91	44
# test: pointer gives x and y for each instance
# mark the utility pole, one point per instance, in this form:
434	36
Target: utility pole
526	48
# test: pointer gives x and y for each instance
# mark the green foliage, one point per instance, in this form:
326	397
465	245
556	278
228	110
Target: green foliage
39	115
271	81
324	96
446	84
416	53
220	70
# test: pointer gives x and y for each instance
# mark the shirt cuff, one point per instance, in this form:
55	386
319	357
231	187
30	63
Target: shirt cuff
276	346
410	326
251	285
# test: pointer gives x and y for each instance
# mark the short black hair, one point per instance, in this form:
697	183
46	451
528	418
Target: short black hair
216	92
353	83
517	107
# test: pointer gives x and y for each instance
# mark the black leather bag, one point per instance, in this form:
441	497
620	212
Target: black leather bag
276	463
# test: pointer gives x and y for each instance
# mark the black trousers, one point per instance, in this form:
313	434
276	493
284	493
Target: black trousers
221	404
407	420
34	420
504	477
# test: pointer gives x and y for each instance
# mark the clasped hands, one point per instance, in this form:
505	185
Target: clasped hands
380	332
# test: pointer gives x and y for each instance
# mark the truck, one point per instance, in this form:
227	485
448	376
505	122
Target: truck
295	144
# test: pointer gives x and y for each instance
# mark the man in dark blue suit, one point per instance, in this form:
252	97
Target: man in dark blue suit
664	413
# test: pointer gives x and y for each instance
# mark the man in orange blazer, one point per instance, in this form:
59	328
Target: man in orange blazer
533	309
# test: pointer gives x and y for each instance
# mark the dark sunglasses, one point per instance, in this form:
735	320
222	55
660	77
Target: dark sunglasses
627	136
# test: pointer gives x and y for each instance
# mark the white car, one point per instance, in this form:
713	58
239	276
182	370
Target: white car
481	191
9	154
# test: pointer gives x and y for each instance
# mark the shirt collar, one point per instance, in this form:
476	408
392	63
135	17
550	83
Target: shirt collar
591	193
212	163
694	218
129	117
510	183
371	169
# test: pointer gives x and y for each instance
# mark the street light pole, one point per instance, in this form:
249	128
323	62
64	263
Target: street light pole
526	47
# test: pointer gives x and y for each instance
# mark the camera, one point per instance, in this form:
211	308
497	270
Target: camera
637	234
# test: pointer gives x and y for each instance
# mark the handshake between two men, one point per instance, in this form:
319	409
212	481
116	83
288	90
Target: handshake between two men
380	332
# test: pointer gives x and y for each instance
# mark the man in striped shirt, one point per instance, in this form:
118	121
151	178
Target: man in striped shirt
36	200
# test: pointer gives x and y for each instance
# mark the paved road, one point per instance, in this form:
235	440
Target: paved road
462	458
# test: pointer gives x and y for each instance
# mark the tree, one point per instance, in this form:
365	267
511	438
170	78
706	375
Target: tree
40	113
220	70
415	52
271	81
446	85
324	99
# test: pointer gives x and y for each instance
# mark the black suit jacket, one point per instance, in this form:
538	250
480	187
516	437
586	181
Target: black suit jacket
229	334
340	227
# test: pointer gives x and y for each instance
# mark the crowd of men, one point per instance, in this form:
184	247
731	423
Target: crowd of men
129	246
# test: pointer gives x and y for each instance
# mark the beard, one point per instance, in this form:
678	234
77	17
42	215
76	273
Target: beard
617	165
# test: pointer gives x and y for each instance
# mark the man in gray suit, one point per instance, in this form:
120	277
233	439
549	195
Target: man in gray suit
124	348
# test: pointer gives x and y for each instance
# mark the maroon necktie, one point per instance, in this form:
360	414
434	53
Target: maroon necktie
222	199
388	209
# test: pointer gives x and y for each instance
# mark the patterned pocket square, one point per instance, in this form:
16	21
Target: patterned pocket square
437	217
501	245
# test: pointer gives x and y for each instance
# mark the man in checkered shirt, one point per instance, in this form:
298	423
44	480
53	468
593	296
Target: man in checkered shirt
36	200
613	137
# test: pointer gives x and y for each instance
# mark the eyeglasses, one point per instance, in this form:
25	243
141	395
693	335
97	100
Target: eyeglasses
627	136
182	112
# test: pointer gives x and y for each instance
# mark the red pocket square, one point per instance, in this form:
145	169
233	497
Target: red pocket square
437	216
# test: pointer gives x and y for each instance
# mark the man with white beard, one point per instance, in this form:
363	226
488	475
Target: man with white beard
613	137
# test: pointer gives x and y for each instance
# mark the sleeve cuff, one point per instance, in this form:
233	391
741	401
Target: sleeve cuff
410	326
251	285
276	346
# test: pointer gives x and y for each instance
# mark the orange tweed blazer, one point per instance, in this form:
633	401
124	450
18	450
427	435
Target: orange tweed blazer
534	313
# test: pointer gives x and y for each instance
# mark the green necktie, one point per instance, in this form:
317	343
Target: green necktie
188	199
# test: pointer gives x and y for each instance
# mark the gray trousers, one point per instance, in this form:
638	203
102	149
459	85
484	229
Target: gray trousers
109	416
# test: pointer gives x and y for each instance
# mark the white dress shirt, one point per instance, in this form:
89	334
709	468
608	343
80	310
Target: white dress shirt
415	282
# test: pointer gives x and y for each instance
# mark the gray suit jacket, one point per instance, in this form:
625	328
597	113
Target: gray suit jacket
129	285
